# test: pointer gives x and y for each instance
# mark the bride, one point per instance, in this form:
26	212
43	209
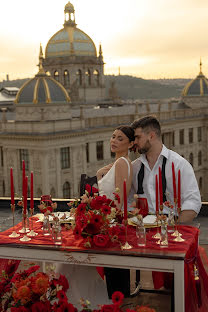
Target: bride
109	178
84	281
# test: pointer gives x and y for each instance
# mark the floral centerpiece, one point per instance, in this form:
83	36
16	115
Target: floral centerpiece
33	291
94	217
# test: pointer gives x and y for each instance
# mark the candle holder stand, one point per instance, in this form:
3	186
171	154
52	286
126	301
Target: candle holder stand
176	233
157	235
25	238
32	233
126	245
14	233
24	228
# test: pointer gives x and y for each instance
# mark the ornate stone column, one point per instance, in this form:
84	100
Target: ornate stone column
44	172
59	192
92	152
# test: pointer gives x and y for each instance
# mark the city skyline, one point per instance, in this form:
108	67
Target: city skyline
144	38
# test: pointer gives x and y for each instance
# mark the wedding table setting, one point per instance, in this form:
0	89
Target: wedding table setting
90	234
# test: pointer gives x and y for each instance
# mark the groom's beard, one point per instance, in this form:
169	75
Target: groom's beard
145	148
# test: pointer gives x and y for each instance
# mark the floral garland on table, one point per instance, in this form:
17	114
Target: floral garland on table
34	291
94	218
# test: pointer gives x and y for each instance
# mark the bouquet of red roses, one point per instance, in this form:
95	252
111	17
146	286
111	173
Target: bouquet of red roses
94	216
33	291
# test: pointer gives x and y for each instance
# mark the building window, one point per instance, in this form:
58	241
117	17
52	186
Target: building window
53	192
191	159
56	75
97	78
199	158
181	137
99	150
65	157
200	183
199	134
79	77
191	138
168	139
66	78
66	190
2	156
87	152
24	155
88	77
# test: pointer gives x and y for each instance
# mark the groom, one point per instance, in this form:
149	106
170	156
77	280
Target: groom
154	154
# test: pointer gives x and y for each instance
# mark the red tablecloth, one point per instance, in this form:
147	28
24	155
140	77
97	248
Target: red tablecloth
189	247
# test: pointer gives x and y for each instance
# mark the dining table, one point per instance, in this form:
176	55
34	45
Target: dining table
178	258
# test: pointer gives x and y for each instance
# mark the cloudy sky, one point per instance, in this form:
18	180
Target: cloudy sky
145	38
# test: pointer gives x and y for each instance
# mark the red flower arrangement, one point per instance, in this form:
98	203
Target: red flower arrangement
33	291
93	217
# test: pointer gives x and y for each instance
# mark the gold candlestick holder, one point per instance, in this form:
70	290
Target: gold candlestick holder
24	228
32	233
176	233
14	233
25	238
126	245
157	235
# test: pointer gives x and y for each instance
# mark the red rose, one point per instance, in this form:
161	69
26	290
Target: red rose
117	297
96	219
31	270
66	307
117	197
101	240
63	282
88	188
94	190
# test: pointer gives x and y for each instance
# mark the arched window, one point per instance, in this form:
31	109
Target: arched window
199	158
97	78
56	75
53	192
191	159
39	192
88	77
79	77
66	190
66	78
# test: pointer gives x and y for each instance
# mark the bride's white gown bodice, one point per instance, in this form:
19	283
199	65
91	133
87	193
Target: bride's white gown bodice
106	185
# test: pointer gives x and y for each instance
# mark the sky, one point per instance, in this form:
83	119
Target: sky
150	39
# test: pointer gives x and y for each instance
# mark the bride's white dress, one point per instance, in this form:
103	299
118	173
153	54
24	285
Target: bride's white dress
84	281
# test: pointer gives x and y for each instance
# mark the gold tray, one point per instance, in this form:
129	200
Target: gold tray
147	226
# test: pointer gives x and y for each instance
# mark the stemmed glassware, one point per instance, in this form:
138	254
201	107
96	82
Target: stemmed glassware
14	233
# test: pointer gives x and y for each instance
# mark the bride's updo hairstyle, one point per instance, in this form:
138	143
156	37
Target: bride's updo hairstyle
128	131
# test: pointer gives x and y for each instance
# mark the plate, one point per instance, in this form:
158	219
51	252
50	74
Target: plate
149	221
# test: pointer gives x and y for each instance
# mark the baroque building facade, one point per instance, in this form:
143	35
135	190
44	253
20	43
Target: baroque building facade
60	139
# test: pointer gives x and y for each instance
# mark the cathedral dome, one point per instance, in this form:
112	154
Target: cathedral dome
70	40
197	86
65	43
42	89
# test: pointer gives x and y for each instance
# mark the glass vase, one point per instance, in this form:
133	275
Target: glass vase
164	235
46	226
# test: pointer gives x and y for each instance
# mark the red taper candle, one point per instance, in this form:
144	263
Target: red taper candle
174	182
23	177
125	200
31	191
156	195
12	186
160	187
179	189
25	196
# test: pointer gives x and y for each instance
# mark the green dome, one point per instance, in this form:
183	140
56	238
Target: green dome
42	89
67	43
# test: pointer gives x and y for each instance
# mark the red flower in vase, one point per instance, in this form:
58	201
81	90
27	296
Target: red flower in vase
81	209
106	209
